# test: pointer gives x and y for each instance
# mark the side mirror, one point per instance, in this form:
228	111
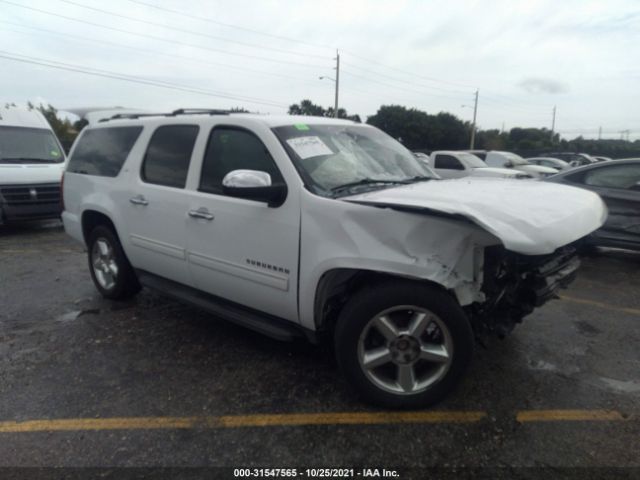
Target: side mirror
254	185
509	164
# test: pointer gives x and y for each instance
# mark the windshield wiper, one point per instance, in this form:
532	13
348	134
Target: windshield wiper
417	178
367	181
379	181
28	160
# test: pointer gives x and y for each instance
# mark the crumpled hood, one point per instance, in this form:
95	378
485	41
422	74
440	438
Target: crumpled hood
532	218
21	174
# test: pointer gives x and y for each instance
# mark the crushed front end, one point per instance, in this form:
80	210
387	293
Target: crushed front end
515	284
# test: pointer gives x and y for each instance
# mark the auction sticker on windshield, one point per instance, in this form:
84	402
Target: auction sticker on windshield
307	147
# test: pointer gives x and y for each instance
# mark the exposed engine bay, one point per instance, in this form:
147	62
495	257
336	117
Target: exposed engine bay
515	284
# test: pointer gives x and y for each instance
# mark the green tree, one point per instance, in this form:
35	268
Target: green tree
63	128
418	130
491	140
307	107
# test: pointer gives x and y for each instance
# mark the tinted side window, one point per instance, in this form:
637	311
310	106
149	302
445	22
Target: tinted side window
168	155
618	176
103	151
449	162
234	149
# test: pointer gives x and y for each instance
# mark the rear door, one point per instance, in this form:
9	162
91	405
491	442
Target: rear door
238	249
157	203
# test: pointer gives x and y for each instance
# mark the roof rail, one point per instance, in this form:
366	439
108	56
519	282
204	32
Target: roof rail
124	116
199	111
180	111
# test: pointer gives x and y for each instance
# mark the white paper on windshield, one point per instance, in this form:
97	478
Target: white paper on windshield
307	147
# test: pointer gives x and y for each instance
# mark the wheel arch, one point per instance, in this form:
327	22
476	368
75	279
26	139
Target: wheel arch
336	286
91	219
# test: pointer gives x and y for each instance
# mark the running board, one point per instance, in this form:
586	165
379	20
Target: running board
269	325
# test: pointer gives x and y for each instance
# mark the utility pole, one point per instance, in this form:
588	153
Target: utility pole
335	113
599	133
473	125
553	122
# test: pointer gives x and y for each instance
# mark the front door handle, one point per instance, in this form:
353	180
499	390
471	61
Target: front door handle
201	213
139	200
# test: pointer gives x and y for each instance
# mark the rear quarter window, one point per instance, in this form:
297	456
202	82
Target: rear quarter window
102	151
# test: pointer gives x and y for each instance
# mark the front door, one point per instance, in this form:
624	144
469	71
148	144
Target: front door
448	166
238	249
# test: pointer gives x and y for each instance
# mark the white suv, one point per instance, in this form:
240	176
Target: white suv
323	228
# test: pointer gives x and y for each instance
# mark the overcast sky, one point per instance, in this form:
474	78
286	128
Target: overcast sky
523	56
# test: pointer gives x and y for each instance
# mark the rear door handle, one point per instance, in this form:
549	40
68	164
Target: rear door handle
139	200
201	213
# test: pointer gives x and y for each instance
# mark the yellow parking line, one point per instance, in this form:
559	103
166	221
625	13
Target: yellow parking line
351	418
70	424
299	419
633	311
568	415
235	421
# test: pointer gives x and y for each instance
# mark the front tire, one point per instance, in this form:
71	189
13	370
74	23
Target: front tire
111	272
403	344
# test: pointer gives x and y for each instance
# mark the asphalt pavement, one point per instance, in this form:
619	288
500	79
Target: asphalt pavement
86	382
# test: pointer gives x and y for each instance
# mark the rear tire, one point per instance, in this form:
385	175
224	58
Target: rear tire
111	272
403	344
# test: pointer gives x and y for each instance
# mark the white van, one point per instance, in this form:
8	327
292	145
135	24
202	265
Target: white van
511	160
31	165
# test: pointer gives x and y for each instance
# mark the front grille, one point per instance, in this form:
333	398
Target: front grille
40	194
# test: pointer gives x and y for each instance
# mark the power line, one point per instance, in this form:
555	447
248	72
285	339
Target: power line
399	87
228	25
154	37
190	32
131	78
420	85
431	79
153	52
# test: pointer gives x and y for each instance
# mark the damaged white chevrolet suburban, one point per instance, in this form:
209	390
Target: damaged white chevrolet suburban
322	228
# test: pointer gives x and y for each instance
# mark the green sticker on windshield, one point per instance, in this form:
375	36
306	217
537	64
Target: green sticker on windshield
301	126
54	153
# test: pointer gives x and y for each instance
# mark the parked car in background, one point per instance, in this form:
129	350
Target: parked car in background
31	165
574	159
549	162
500	159
618	184
603	159
454	164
